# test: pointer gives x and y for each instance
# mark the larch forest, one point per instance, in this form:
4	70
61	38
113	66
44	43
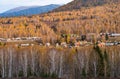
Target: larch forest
79	40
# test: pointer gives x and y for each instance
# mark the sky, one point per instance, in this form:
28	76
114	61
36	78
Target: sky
10	4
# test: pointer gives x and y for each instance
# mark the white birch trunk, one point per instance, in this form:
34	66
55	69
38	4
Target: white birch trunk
10	63
61	65
52	61
2	64
25	64
95	69
33	61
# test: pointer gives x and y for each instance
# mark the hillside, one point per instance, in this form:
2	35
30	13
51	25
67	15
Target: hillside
50	26
28	10
77	4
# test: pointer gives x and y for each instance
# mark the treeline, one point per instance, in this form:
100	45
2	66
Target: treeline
59	63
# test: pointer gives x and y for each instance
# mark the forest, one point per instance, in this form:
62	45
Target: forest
57	62
75	63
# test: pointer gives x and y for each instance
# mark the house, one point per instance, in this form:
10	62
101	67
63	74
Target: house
77	44
102	44
3	40
41	44
24	45
8	39
47	44
18	38
83	43
57	44
109	44
110	34
64	44
115	35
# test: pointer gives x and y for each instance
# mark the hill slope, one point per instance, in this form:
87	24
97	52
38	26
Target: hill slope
28	10
77	4
104	18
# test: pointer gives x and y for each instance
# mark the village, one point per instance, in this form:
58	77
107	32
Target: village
68	40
